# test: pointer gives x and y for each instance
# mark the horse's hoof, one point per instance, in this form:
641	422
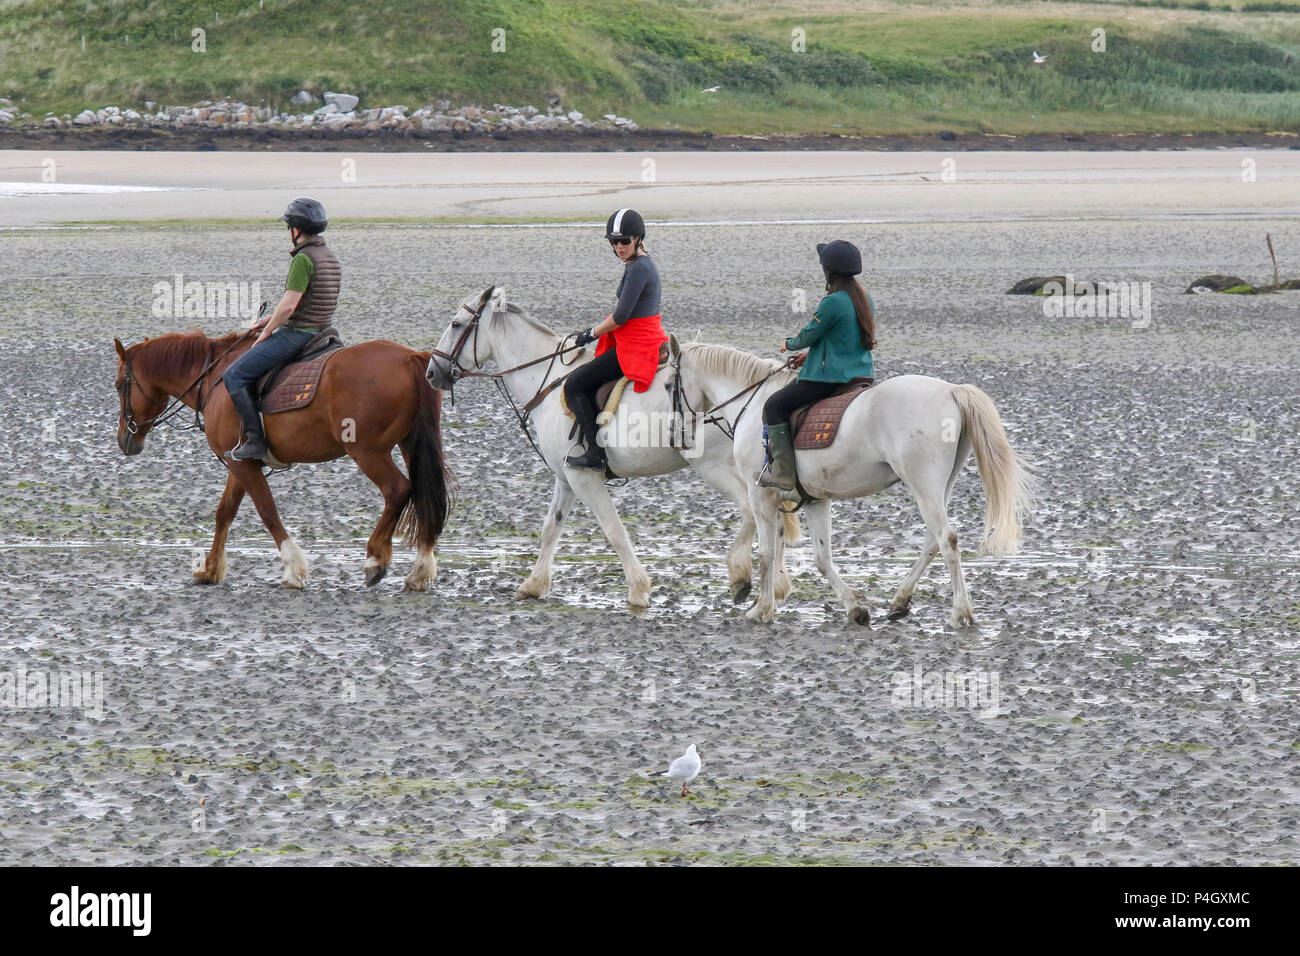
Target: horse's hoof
959	621
898	613
759	616
201	577
860	615
375	574
740	590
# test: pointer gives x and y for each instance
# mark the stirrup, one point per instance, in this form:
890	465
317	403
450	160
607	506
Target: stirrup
234	455
594	461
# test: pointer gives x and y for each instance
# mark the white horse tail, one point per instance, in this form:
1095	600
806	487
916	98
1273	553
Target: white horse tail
1009	485
790	531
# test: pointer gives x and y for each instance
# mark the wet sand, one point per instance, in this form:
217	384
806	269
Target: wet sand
1144	642
681	186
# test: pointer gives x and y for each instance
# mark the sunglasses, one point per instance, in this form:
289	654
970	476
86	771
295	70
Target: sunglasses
620	242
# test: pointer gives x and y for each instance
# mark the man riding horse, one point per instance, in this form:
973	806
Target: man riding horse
311	293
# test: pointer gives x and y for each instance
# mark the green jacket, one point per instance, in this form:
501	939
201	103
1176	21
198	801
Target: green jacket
834	343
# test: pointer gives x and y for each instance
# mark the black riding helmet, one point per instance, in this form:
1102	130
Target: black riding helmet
625	224
840	257
307	215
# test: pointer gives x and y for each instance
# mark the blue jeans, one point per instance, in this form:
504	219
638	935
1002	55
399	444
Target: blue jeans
279	347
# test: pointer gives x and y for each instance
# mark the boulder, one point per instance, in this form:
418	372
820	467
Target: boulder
1217	283
85	118
1034	285
302	98
346	102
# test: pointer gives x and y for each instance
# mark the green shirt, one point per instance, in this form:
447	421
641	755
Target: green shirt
301	269
834	342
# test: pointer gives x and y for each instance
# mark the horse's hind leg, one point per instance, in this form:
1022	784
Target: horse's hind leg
396	487
933	505
249	475
819	529
539	581
214	568
902	601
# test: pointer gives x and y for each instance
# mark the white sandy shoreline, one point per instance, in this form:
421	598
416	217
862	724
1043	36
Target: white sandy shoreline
731	187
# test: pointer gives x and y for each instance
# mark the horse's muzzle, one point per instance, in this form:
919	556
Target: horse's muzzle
437	376
129	443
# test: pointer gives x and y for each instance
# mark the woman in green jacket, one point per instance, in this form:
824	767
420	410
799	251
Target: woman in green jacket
839	338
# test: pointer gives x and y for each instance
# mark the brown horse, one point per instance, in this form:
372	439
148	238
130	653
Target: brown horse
371	397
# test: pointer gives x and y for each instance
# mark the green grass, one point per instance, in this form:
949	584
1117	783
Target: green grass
878	67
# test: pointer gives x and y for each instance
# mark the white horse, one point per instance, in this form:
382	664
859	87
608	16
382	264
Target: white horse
486	329
913	429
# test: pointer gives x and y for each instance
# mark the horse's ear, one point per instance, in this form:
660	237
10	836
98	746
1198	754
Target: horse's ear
699	336
121	352
487	294
498	299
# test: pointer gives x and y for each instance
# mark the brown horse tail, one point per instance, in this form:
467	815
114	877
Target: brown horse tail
431	481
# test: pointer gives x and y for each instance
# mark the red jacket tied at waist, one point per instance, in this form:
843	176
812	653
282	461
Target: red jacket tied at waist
636	343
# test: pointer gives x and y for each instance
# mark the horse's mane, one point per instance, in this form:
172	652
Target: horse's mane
177	352
727	361
535	323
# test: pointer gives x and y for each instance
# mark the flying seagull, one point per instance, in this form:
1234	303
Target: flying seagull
1040	59
711	89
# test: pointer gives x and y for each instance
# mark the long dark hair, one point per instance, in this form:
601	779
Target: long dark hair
838	282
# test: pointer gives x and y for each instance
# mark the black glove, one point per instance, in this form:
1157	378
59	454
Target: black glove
583	337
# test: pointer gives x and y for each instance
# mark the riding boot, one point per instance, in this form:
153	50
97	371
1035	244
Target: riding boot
594	455
779	471
252	447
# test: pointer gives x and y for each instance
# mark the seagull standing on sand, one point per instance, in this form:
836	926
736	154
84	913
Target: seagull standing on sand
685	768
1040	59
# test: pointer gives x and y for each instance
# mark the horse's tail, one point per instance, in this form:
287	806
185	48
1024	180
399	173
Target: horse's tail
790	521
1009	484
426	510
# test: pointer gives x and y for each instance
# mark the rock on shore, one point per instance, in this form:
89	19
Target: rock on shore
339	112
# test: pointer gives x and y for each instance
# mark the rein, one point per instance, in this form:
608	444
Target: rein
522	416
729	428
172	408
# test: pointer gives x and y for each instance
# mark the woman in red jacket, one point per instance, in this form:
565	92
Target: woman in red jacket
629	337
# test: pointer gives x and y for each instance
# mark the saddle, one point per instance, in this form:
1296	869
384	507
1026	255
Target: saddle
611	393
293	385
815	426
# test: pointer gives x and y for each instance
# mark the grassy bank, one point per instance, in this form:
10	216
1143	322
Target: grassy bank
876	67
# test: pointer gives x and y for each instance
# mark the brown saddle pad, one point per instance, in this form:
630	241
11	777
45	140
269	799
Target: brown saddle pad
816	425
293	386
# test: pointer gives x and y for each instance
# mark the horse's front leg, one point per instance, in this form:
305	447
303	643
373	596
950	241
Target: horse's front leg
590	487
539	581
213	570
819	529
764	503
721	475
249	475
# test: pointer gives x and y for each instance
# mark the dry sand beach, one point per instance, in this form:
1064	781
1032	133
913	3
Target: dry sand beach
1144	644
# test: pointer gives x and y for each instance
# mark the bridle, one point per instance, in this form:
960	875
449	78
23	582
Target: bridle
458	371
713	418
170	409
